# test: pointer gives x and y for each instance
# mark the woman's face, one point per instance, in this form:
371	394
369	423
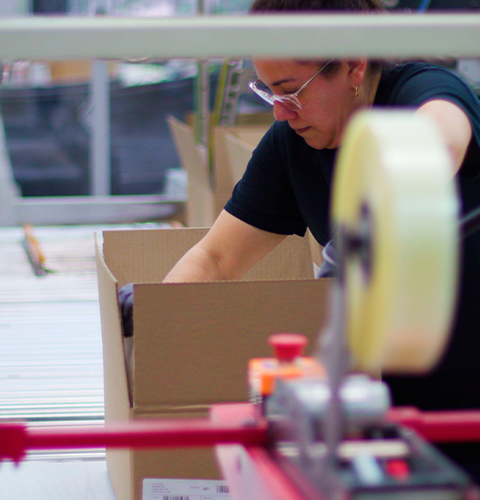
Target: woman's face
327	102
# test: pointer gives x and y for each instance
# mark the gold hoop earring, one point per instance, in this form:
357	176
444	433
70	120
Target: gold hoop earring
356	90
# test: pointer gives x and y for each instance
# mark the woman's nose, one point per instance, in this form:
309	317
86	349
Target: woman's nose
282	113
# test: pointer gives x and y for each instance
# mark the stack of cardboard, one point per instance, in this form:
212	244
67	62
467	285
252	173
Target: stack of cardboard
210	184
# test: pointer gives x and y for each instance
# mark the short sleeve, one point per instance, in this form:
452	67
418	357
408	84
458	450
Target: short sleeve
440	83
420	83
264	197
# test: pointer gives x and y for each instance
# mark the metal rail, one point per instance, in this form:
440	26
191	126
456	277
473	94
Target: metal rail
16	438
339	35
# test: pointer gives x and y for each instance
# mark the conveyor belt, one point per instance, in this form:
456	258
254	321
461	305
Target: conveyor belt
51	369
50	339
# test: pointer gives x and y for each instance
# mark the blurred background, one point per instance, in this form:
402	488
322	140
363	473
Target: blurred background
99	128
47	106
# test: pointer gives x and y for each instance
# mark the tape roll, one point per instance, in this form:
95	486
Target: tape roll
393	180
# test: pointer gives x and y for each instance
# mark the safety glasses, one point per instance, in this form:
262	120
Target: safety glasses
290	101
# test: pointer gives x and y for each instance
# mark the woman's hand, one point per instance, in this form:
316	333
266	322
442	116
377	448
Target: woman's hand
229	249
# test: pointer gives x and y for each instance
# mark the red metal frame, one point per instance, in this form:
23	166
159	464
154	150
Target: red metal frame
17	438
439	426
250	471
236	423
252	474
239	434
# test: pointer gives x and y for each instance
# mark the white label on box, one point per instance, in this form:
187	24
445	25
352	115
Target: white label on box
184	489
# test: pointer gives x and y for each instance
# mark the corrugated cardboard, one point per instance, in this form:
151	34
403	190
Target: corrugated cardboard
239	145
208	191
230	164
74	71
192	341
202	201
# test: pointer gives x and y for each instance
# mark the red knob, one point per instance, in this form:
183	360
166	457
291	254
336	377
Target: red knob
288	346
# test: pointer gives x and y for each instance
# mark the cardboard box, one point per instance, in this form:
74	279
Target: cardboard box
209	189
233	149
239	145
202	201
192	341
74	71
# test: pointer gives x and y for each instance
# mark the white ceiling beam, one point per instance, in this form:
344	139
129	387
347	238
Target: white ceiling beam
324	36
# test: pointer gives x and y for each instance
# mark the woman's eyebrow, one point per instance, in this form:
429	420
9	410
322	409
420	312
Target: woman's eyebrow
284	80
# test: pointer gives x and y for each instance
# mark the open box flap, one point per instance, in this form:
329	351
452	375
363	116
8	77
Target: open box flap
147	255
117	401
200	195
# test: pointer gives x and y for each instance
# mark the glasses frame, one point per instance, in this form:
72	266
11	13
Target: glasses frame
290	101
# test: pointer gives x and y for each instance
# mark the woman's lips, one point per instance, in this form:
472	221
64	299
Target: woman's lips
301	131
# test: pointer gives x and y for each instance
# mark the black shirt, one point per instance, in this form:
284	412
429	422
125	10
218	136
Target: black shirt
286	188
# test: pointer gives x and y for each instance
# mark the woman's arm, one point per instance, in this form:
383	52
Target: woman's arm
454	126
229	249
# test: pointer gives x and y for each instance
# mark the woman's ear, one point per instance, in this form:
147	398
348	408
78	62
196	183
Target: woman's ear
357	69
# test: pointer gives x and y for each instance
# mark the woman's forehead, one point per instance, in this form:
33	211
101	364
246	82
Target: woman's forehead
273	70
282	63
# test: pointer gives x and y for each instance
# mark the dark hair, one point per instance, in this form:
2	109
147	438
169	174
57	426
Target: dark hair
299	6
259	6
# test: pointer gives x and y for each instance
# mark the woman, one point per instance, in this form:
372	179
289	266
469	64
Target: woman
286	187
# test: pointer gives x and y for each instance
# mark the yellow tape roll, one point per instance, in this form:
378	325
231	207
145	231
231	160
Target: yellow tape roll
394	176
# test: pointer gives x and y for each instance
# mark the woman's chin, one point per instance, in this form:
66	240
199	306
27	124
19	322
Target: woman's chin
315	142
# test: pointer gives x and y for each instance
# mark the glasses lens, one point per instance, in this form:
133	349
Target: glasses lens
261	87
290	102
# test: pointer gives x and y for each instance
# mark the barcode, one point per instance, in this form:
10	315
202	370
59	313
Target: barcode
175	497
222	489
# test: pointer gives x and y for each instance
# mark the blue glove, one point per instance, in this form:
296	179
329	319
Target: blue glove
329	267
125	296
